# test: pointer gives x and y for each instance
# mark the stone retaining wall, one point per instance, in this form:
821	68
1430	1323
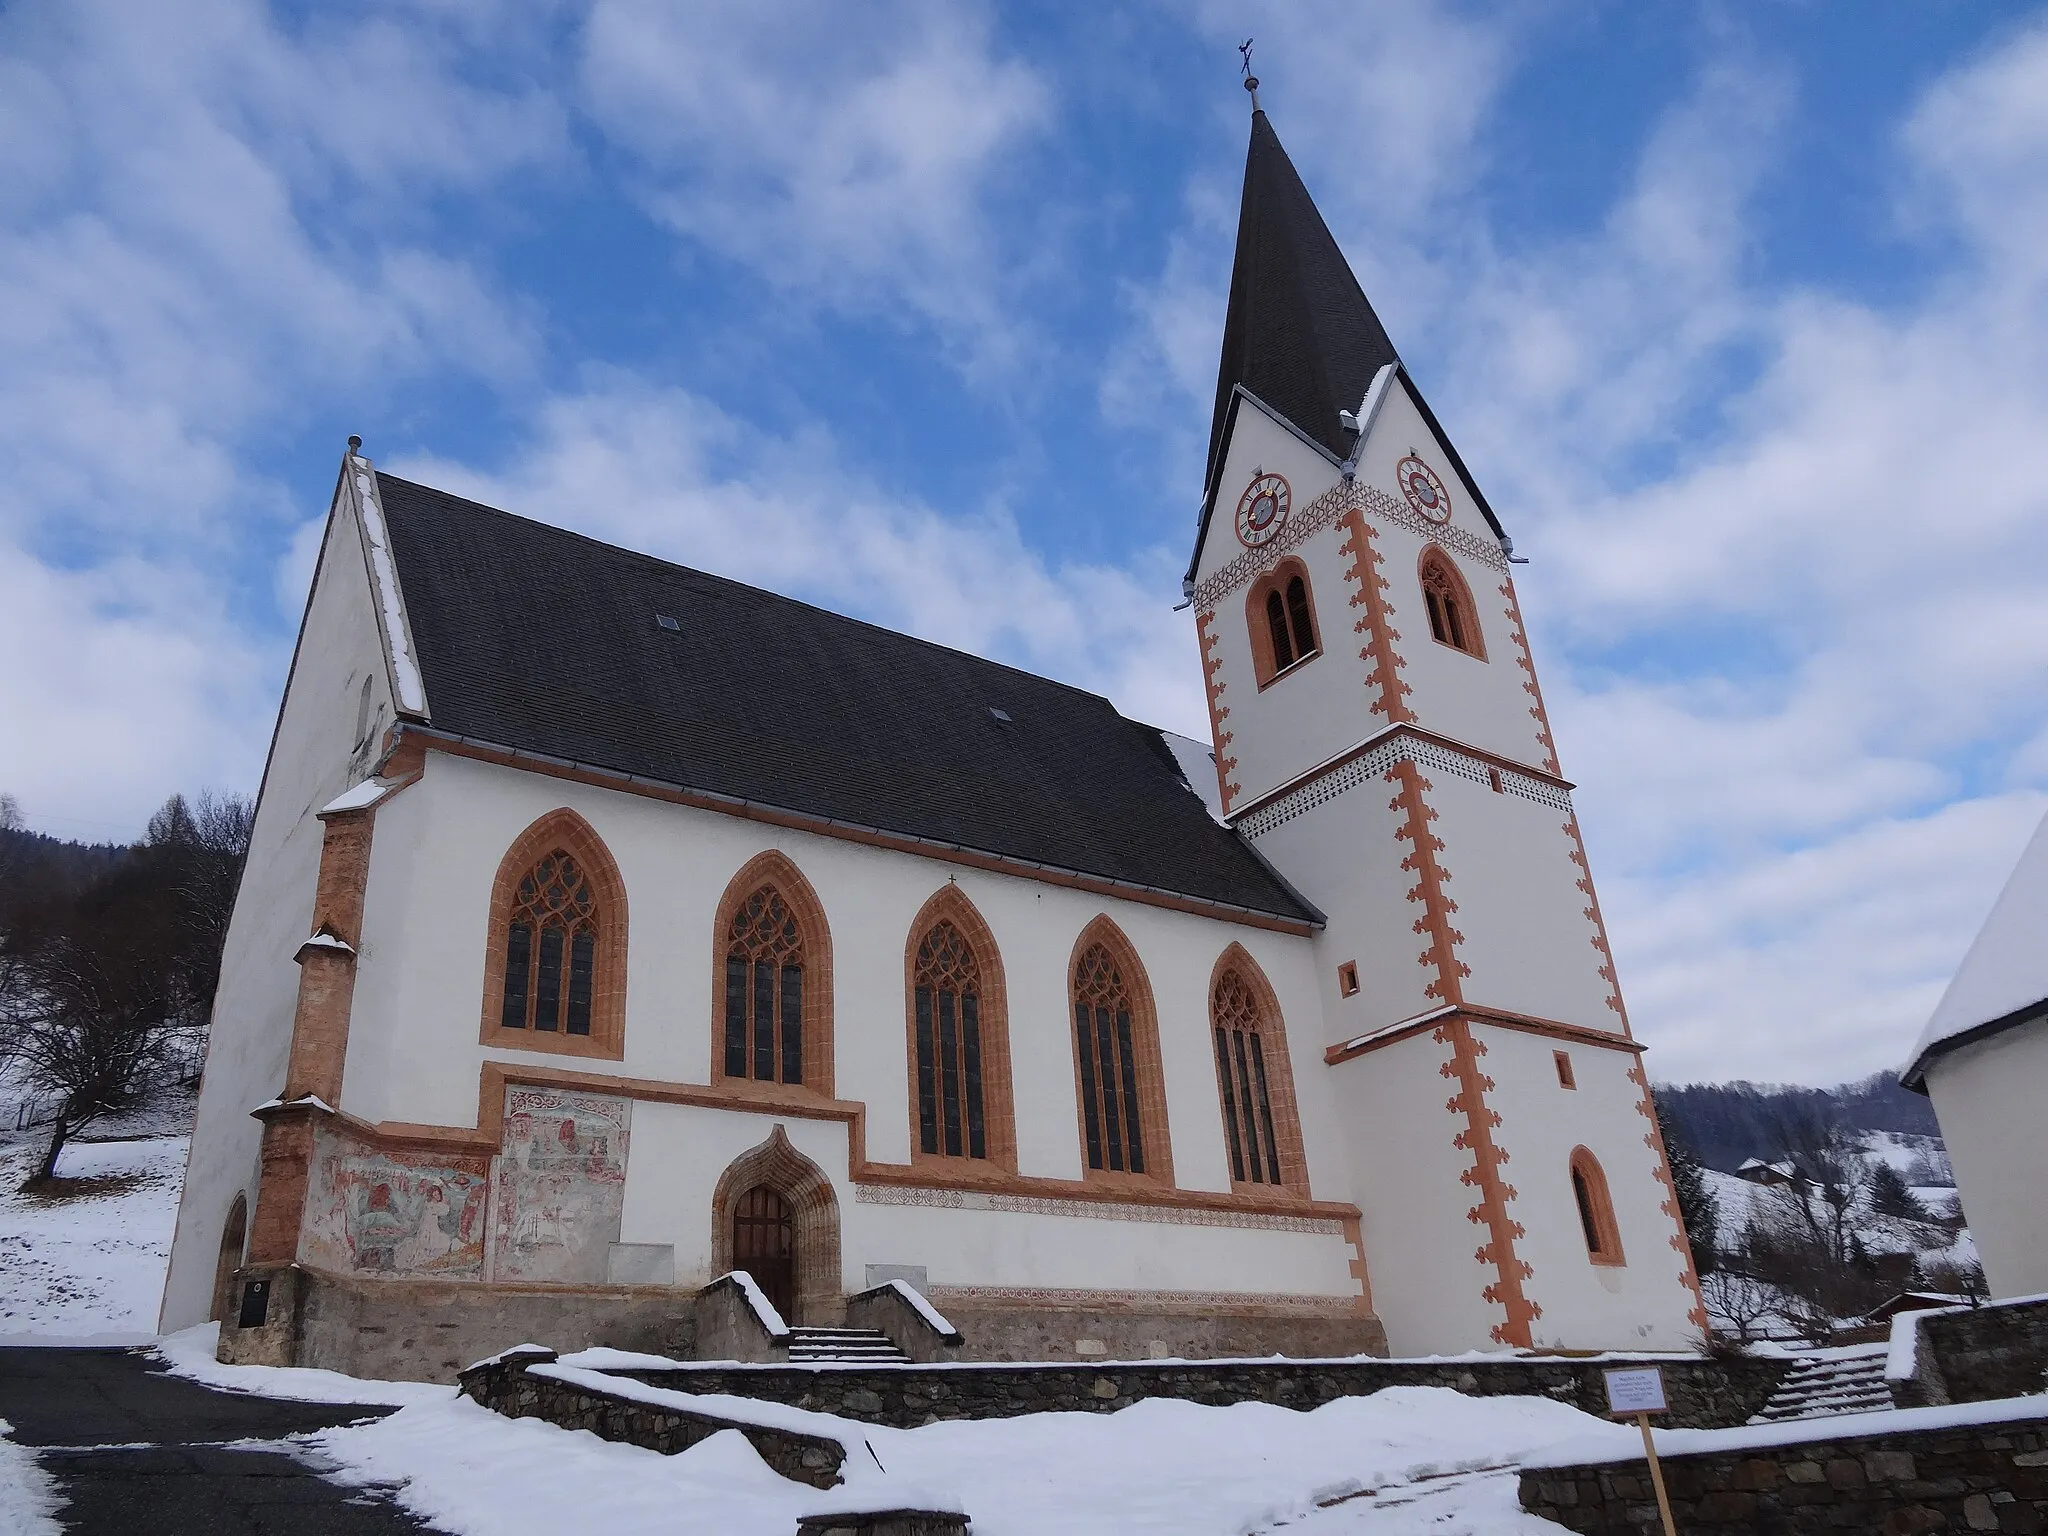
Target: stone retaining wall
508	1387
1704	1393
1984	1353
1981	1477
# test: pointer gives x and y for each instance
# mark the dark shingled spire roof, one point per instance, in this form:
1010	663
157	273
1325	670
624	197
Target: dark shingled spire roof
1300	334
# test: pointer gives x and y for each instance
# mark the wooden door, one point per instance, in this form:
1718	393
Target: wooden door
764	1245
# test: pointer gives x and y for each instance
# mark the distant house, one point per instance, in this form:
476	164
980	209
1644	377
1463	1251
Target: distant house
1983	1059
1757	1171
1914	1301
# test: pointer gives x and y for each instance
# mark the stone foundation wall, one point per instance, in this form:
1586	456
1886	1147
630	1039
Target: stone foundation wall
994	1332
1708	1394
1988	1477
401	1330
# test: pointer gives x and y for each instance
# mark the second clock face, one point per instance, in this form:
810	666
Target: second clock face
1262	509
1426	493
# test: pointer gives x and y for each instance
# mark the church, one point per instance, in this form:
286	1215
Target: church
610	927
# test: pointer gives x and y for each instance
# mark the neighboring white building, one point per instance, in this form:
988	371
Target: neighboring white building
1983	1059
647	925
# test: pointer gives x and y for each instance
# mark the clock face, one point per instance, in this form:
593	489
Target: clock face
1426	493
1262	509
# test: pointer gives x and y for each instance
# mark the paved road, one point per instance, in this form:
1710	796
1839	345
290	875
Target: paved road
136	1450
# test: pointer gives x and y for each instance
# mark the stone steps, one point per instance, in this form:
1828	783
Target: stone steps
863	1346
1820	1388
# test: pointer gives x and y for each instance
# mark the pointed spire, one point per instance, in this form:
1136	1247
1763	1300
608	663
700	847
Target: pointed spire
1299	333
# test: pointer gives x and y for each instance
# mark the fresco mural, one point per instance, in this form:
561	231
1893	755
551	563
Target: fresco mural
368	1213
560	1185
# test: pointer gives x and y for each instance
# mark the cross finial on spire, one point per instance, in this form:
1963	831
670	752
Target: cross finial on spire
1251	81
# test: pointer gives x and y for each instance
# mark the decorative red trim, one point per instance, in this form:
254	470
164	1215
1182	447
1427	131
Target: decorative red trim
1491	1212
1592	913
1430	878
1369	589
1680	1240
1479	1013
1388	733
1212	677
1519	635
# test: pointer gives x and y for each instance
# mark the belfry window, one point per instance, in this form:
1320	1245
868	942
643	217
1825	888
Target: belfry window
1280	611
764	991
1241	1072
1453	620
1596	1209
951	1118
1105	1046
551	949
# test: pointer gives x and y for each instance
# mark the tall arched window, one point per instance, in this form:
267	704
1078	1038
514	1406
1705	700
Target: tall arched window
1596	1209
1260	1123
958	1039
1116	1058
773	1002
1453	618
1280	613
555	974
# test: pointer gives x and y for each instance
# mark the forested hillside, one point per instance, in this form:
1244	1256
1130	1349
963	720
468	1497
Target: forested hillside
1726	1123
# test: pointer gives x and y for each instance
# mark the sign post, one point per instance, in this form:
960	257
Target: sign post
1639	1392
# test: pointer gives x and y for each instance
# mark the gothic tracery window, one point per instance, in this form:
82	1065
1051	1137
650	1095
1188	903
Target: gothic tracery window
1106	1048
951	1117
1241	1070
764	990
1453	620
551	949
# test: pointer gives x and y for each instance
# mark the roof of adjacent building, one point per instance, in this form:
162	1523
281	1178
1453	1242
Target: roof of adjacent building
534	638
2003	980
1300	333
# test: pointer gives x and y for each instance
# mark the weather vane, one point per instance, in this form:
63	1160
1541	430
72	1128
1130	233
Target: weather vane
1251	81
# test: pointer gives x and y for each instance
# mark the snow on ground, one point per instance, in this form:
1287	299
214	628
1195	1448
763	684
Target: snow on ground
89	1264
1400	1460
28	1495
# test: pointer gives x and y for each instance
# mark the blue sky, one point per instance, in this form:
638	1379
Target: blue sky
912	310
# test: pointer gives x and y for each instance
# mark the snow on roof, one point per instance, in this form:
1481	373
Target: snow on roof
1198	766
2006	968
361	797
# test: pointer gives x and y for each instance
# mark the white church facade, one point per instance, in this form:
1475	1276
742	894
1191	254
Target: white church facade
609	926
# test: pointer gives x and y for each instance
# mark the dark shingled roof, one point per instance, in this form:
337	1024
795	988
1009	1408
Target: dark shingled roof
1299	333
539	639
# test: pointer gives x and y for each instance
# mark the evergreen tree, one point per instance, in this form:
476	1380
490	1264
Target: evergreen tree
1891	1196
1696	1205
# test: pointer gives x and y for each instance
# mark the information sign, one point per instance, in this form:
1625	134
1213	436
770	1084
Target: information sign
1639	1390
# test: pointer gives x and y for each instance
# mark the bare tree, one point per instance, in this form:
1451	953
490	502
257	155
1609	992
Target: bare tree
1741	1301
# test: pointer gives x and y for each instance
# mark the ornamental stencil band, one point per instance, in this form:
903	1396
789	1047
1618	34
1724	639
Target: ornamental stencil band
560	1185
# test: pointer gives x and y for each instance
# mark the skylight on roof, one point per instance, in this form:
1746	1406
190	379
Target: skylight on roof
668	623
999	714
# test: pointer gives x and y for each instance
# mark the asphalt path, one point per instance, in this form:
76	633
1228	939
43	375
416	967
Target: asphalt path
136	1450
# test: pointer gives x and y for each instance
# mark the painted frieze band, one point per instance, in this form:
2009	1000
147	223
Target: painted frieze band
1372	766
1096	1210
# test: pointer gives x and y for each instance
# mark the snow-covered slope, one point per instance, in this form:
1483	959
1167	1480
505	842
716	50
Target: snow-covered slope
89	1264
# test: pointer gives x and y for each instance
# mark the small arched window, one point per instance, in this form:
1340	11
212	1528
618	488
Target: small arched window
1596	1209
764	990
1280	612
1261	1125
1116	1058
1453	618
555	977
772	994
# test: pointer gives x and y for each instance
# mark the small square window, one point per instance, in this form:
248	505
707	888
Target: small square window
1564	1069
1347	978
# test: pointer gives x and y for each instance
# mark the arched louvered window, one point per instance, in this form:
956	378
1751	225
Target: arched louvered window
551	949
764	990
1280	611
1453	619
555	972
952	1119
1117	1073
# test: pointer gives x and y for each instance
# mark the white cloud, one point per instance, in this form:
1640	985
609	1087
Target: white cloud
850	157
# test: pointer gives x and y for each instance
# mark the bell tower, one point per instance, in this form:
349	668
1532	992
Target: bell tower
1381	738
